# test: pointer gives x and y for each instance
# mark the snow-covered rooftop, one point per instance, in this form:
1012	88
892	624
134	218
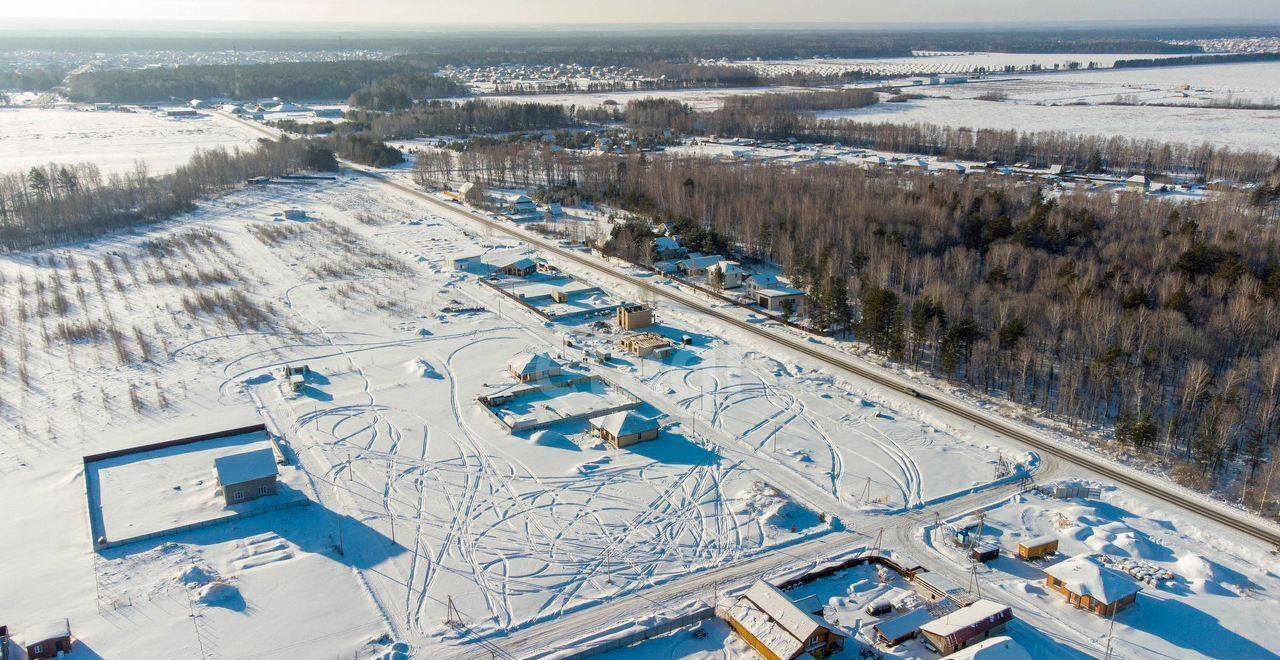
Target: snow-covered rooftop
625	422
1083	575
779	291
532	363
772	618
904	626
964	617
247	466
47	630
996	648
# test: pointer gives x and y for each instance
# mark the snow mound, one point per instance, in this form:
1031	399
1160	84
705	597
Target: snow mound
217	593
197	576
546	437
1193	567
768	504
420	367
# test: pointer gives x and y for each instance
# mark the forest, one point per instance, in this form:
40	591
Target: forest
1157	320
298	80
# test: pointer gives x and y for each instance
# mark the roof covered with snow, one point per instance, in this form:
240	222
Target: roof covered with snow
996	648
532	363
624	423
1085	576
979	611
779	291
904	626
771	617
245	466
47	630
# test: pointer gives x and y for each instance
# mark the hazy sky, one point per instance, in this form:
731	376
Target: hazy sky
411	13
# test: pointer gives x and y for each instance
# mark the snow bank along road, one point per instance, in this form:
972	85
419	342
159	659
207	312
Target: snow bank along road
1121	475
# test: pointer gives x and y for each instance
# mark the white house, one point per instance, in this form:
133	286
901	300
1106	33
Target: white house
731	273
760	281
698	265
779	298
523	204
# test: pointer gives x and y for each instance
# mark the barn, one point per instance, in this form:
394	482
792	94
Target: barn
247	475
966	625
1089	585
779	630
624	427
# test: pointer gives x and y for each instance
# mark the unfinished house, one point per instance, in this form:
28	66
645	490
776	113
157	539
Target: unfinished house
644	344
634	317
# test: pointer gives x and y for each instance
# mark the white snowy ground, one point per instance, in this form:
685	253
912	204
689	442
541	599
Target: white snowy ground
114	141
1254	81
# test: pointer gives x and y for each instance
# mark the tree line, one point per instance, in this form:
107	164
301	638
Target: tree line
58	203
299	80
1158	320
1086	153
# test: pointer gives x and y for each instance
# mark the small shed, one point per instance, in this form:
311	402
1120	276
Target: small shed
967	625
1037	547
634	317
624	428
533	366
246	476
899	629
48	640
935	587
295	214
779	630
984	552
1089	585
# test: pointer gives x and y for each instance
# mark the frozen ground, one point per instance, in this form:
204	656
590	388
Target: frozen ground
1238	129
162	489
114	141
1255	81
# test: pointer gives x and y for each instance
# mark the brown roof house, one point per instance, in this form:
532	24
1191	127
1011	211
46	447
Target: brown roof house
779	630
1089	585
247	475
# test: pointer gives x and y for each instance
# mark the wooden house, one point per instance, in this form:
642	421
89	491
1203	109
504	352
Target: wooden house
643	344
1089	585
967	625
899	629
48	640
779	630
246	476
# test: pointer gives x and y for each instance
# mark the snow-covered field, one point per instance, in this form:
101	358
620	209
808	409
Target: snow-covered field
1238	129
1253	81
423	498
114	141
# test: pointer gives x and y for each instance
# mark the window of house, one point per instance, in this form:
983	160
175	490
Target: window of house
262	490
238	495
38	648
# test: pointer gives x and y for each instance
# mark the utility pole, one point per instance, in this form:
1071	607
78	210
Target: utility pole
1110	633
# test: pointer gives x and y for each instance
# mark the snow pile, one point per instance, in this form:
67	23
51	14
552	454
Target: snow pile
197	576
770	506
421	367
217	593
546	437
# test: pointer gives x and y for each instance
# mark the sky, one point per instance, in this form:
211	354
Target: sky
425	13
